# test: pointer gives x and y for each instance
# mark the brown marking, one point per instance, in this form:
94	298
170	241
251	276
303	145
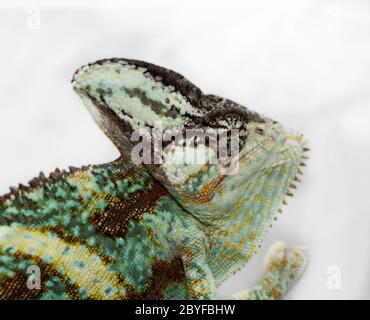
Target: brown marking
15	288
164	273
113	221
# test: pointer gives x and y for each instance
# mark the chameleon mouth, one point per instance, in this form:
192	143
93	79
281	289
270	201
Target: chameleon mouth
103	109
205	194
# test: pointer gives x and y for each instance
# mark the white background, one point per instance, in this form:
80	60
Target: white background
303	63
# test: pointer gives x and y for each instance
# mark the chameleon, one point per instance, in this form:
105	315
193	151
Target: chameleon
161	229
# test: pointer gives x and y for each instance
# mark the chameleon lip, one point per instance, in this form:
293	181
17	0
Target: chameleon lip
245	155
122	125
218	183
278	133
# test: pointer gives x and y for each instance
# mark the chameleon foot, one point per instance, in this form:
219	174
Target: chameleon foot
282	268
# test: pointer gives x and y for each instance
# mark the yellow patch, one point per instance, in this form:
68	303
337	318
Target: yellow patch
93	276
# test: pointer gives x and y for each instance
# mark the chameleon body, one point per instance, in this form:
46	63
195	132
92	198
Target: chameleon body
158	230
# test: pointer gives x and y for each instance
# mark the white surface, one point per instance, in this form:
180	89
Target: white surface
303	63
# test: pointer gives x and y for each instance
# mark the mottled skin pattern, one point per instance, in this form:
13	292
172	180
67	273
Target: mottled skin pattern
164	230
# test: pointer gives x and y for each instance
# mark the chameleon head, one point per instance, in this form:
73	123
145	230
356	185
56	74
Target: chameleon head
212	154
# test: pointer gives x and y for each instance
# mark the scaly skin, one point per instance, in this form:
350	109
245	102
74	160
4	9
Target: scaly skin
125	230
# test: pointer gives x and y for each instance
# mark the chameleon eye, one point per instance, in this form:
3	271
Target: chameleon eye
259	130
224	118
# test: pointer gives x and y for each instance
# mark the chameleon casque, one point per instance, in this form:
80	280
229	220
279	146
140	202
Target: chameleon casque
125	230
